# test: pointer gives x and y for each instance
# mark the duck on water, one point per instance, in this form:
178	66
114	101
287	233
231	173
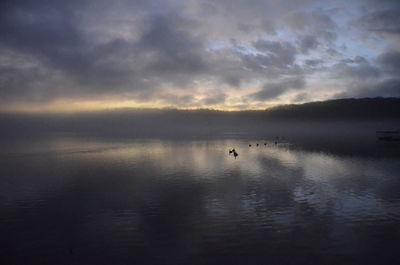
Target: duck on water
233	151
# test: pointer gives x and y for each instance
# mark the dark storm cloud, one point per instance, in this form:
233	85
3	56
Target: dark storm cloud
355	69
273	55
386	88
174	50
308	43
316	22
216	97
382	21
367	80
149	50
303	20
264	25
301	97
47	31
45	28
181	101
24	79
50	32
357	60
273	90
166	53
333	52
390	61
232	80
313	62
282	50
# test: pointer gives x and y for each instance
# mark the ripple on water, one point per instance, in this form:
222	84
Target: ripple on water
192	198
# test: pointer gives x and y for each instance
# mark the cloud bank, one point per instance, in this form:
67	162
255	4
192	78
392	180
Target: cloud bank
188	54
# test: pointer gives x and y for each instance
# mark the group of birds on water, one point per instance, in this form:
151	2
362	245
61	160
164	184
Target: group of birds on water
235	154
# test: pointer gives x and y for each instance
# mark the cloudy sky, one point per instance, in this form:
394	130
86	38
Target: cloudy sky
222	54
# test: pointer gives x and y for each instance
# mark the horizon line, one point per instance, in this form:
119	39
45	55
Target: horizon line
68	111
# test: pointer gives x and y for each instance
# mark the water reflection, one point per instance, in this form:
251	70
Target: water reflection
80	201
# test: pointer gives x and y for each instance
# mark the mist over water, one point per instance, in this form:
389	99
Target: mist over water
198	124
79	199
118	120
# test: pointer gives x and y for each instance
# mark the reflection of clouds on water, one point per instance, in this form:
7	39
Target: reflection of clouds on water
272	176
138	193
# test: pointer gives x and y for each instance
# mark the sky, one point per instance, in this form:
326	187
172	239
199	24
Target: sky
221	54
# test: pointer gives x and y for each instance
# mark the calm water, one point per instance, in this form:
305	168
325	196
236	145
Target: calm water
68	200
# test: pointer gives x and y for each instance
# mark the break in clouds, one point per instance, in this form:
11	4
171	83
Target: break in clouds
198	53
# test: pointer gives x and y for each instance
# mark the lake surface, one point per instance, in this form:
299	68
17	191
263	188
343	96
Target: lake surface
71	200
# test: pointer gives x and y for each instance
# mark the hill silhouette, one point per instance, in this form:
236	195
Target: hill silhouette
340	109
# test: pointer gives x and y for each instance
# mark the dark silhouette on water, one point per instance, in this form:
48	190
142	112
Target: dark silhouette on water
235	154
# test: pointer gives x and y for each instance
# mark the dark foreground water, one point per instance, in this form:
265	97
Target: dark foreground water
67	200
